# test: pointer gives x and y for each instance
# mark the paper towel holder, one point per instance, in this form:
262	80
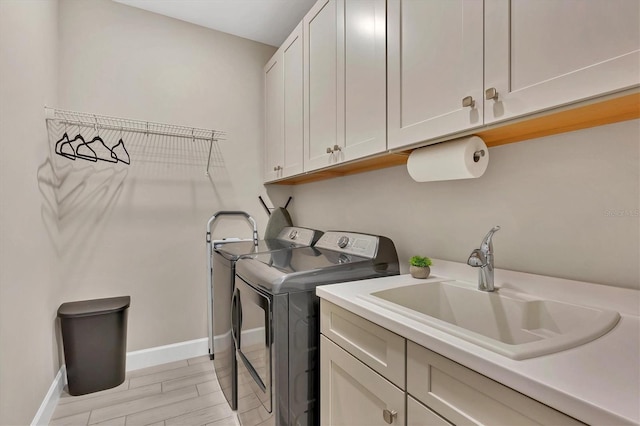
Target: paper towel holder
463	158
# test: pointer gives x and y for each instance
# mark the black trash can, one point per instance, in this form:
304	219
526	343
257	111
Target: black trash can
94	336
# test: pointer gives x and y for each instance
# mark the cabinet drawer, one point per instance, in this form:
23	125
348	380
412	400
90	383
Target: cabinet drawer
465	397
377	347
419	415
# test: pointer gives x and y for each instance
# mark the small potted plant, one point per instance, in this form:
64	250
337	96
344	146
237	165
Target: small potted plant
419	267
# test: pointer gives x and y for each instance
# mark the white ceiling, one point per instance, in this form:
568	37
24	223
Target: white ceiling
266	21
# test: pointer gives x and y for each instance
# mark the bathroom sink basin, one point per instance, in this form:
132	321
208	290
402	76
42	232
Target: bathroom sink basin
516	325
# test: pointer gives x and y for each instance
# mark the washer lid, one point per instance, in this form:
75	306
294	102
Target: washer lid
234	250
338	256
305	259
86	308
304	268
289	237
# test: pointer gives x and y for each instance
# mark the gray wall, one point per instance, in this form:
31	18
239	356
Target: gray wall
145	236
29	290
553	197
74	230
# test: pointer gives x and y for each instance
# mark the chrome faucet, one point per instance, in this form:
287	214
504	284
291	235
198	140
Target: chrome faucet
483	258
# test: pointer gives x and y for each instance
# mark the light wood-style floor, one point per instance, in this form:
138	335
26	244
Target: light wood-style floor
179	393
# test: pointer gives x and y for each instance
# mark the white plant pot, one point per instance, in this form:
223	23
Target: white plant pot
419	271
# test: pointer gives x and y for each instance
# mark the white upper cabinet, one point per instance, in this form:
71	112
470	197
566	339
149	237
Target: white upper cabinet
292	65
365	78
323	84
434	67
536	55
284	132
358	77
274	101
344	85
546	53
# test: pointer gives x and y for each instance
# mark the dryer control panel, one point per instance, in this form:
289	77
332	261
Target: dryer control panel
299	236
364	245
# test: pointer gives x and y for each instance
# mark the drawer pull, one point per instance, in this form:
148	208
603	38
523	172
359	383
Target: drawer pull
389	416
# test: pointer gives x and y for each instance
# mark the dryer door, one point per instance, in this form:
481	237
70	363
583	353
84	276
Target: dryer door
224	351
253	337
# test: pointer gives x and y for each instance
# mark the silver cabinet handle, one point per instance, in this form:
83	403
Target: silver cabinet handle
491	93
334	149
276	168
389	416
468	101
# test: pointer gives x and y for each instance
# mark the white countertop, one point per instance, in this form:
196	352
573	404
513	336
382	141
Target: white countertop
597	383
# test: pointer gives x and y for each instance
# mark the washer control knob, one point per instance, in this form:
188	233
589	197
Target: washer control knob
343	241
293	234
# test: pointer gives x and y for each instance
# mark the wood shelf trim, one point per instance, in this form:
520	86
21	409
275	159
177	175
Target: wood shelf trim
581	116
357	166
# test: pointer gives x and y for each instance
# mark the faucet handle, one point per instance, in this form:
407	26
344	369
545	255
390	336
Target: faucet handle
477	259
487	244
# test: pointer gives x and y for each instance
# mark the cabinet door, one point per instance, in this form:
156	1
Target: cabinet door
546	53
274	100
365	79
353	394
293	115
434	61
373	345
345	81
324	84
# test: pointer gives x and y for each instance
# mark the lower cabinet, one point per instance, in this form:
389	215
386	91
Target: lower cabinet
465	397
359	367
353	394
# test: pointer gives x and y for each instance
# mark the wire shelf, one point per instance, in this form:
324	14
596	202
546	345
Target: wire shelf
163	136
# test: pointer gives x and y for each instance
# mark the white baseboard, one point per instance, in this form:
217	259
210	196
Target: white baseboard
50	402
184	350
169	353
136	360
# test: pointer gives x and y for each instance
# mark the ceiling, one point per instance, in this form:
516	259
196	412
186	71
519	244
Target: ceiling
265	21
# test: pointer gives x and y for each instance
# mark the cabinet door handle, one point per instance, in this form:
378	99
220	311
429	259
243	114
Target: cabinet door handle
491	93
337	148
468	101
276	168
389	416
329	150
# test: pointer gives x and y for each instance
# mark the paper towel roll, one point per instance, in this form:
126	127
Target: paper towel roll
449	160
